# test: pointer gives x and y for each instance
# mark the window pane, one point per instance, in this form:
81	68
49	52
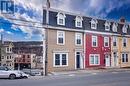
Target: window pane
123	59
61	21
64	60
96	60
92	60
60	40
57	59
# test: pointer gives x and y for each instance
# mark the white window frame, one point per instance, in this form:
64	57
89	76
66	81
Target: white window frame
63	32
114	40
124	29
125	61
96	41
61	16
77	35
78	19
124	38
94	21
114	27
107	24
106	38
94	55
60	60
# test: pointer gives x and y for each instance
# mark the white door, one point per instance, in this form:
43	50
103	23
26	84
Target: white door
107	61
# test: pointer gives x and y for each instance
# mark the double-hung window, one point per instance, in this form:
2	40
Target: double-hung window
114	41
61	19
61	37
124	57
78	39
124	42
106	41
94	59
94	41
78	21
60	59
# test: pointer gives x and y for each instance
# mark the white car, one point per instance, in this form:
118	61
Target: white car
5	72
24	75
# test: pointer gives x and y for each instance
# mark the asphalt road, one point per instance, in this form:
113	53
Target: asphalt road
93	79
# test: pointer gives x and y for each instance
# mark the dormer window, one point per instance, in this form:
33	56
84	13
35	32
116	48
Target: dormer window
94	24
124	29
107	26
78	21
61	19
114	28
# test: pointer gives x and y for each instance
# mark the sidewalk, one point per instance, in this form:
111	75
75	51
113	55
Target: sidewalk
87	71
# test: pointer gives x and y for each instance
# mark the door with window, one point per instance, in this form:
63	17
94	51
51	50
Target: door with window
107	60
79	61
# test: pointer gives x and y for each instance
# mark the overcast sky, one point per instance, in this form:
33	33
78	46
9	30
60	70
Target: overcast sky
31	10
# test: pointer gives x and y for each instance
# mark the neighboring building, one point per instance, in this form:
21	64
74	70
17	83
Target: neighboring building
24	51
77	42
120	45
25	61
7	55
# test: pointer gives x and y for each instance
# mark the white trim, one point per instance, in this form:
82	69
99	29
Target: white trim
94	59
106	38
114	39
81	37
94	21
96	38
81	60
78	19
114	27
84	50
124	29
124	38
107	24
61	16
125	61
63	37
60	60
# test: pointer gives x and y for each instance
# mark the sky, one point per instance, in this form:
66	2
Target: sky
31	10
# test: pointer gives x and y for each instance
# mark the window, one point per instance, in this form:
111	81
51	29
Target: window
107	26
94	59
7	49
106	41
114	28
60	59
124	57
124	29
61	19
61	37
94	41
78	21
124	42
7	57
10	57
93	24
114	41
78	38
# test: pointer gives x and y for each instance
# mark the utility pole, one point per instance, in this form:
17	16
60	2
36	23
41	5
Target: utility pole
45	40
1	41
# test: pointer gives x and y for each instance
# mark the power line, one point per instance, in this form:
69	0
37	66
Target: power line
21	24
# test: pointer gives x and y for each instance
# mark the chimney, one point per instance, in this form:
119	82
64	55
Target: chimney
122	20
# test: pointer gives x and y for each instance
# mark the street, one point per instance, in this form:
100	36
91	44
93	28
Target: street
92	79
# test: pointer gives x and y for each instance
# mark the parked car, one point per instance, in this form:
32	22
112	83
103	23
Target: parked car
24	75
5	72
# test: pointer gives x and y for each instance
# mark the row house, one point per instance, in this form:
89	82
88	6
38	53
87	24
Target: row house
75	41
25	61
7	58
